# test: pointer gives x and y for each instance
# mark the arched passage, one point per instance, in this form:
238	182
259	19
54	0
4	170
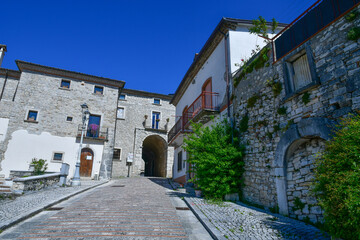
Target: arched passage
289	145
154	154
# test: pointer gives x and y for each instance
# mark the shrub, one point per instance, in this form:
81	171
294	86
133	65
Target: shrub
217	158
252	100
337	181
354	34
40	166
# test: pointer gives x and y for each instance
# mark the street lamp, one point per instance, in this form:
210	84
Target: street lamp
85	114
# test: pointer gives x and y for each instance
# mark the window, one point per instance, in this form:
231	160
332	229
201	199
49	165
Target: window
32	116
299	71
69	119
179	163
157	101
155	120
121	113
122	97
58	157
98	90
93	126
65	84
117	154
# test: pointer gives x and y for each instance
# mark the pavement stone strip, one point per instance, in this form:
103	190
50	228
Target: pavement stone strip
238	221
14	210
143	208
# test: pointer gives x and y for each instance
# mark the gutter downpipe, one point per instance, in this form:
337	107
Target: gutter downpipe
3	89
228	82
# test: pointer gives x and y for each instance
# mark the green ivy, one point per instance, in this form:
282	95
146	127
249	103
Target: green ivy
351	16
281	110
244	124
217	159
298	204
305	98
261	123
337	184
256	63
354	34
252	100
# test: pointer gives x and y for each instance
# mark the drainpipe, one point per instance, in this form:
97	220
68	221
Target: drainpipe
228	81
3	88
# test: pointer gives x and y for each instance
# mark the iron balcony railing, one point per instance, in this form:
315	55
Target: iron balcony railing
98	134
205	101
175	129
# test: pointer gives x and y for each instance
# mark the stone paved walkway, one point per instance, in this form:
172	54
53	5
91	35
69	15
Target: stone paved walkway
238	221
135	208
14	210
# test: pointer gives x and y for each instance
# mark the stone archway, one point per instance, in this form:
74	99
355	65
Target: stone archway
293	140
154	154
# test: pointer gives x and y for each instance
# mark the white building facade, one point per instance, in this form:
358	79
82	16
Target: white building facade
205	90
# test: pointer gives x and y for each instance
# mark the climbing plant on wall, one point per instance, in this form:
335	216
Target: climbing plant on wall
337	181
217	159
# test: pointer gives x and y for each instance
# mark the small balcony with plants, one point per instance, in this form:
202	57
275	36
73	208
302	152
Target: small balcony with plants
94	132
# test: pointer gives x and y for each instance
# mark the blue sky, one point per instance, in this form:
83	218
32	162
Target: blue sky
147	44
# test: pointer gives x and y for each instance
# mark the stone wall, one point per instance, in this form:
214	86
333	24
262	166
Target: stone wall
278	168
34	183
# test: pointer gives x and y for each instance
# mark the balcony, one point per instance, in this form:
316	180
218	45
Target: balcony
201	110
93	133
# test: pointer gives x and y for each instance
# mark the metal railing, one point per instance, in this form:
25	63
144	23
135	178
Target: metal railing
175	129
94	134
205	101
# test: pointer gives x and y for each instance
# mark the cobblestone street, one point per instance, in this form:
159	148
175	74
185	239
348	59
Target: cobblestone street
146	208
238	221
135	208
12	210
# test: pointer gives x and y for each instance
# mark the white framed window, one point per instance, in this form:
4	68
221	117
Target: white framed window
32	116
69	119
65	84
99	90
157	101
57	157
120	113
122	97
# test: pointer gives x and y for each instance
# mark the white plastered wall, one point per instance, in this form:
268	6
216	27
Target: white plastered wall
23	147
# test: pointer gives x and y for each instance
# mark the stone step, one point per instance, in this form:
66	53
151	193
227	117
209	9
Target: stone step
4	186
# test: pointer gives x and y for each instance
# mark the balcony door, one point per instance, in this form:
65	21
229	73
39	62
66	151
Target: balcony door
206	94
155	120
93	126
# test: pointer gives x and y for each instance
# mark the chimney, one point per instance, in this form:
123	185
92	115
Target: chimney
2	52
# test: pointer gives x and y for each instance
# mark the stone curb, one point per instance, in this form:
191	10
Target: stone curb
215	234
40	209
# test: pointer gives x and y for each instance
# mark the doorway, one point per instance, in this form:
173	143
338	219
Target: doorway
86	162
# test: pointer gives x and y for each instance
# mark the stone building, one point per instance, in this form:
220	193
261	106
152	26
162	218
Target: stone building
143	121
41	116
288	107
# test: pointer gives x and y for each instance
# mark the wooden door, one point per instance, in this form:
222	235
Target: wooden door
86	162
